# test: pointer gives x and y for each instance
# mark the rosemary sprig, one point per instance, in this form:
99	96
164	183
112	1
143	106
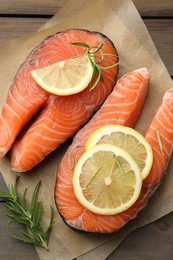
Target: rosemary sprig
93	51
119	165
29	216
159	141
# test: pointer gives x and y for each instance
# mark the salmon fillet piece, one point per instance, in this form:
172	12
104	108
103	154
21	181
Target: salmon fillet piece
123	107
58	117
163	123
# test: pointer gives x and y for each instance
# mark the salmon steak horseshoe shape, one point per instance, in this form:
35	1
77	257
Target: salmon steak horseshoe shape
58	117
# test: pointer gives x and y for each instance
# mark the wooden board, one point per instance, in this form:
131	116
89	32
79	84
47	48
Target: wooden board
161	31
49	7
155	241
11	27
20	17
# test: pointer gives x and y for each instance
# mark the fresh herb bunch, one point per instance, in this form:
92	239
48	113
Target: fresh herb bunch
29	216
93	51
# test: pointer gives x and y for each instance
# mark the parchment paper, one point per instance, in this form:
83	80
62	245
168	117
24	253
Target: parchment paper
120	21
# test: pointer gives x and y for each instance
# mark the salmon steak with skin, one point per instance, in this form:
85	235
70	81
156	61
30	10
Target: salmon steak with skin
58	117
162	124
122	107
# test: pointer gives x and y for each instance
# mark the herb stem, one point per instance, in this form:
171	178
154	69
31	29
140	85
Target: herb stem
93	177
159	141
72	162
119	165
92	52
43	242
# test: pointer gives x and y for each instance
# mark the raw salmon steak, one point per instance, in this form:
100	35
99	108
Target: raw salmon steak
122	107
58	117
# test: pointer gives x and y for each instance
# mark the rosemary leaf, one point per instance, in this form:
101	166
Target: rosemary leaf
23	198
96	82
13	190
93	66
106	54
101	77
97	49
72	162
51	223
22	239
9	205
37	216
119	165
159	141
18	219
34	197
97	71
93	177
27	234
82	44
4	195
109	67
102	57
26	239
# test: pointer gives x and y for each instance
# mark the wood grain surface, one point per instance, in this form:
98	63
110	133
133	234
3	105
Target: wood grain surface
20	17
153	242
161	8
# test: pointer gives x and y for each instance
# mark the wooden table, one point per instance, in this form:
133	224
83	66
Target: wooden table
19	17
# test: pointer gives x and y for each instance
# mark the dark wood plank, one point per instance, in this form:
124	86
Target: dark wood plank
49	7
154	241
11	28
3	187
155	8
39	7
161	31
10	248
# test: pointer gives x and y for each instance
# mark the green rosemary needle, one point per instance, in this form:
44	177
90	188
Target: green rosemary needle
93	177
72	162
30	216
119	165
159	141
93	51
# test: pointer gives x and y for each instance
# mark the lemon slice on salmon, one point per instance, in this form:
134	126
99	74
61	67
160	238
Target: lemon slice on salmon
107	180
65	77
128	139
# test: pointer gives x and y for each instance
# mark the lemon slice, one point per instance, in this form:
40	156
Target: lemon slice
107	180
128	139
65	77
